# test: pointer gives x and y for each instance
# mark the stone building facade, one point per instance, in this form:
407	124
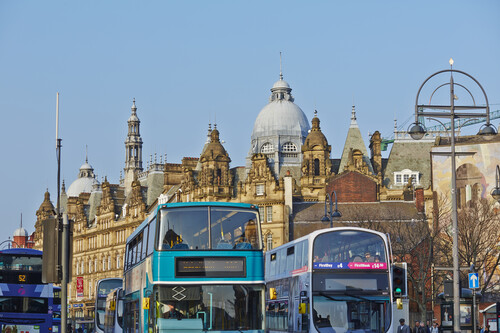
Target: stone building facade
288	170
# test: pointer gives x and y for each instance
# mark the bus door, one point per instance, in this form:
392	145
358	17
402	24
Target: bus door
132	319
304	312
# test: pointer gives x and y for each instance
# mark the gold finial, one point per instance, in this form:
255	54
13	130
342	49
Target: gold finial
451	62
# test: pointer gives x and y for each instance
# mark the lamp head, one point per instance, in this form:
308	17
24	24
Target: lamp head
496	194
417	131
487	129
325	219
336	214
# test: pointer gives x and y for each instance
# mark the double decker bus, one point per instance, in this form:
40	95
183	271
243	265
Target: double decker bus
332	280
26	303
196	267
103	288
113	316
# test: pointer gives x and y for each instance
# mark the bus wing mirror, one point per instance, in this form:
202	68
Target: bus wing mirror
145	303
272	293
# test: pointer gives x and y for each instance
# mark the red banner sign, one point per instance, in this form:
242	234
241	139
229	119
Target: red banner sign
79	286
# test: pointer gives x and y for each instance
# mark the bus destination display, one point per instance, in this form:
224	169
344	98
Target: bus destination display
350	265
210	267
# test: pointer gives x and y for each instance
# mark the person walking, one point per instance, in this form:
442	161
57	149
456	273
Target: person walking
403	328
435	328
417	327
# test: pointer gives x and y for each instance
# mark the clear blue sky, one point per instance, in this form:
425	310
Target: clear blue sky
186	62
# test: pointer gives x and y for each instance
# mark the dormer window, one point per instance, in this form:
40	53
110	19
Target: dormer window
402	177
289	147
267	148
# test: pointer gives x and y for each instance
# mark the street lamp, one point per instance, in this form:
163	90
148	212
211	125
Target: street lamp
417	131
330	215
496	191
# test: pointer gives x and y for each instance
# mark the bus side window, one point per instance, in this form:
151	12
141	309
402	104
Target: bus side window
290	259
298	255
151	237
281	261
305	253
272	264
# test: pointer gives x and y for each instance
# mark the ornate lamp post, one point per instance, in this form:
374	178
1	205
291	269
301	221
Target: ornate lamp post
496	191
417	131
330	215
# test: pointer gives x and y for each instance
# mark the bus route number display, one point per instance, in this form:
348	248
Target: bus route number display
210	267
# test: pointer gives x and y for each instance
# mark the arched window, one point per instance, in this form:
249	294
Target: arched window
289	147
269	242
267	148
316	167
219	176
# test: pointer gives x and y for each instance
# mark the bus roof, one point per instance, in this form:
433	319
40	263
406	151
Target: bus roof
188	204
22	251
315	233
213	204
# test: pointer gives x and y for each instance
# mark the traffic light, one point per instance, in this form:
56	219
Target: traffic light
399	279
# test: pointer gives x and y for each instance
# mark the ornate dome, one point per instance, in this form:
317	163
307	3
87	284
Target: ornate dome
84	183
20	232
281	116
214	150
133	117
315	137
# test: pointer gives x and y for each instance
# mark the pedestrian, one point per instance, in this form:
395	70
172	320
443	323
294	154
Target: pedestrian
403	328
435	327
428	327
487	329
417	326
422	328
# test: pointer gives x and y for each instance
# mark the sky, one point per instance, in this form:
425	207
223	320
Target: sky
191	63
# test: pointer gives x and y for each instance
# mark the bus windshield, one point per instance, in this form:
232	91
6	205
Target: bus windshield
203	228
210	307
350	247
348	312
24	305
20	262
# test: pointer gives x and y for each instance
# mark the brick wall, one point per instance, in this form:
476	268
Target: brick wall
353	187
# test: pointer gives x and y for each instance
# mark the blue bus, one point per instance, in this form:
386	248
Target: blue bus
196	267
26	304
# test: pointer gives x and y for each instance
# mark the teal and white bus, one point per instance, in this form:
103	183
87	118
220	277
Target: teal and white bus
196	267
332	280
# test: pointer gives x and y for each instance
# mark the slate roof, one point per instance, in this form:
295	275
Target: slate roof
409	154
